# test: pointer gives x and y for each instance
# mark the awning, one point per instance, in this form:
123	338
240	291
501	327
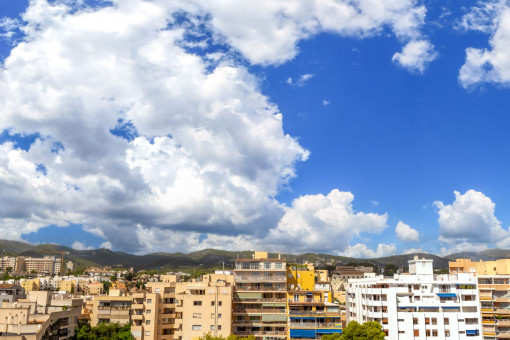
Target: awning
302	318
329	331
302	333
407	307
451	307
427	307
447	295
472	332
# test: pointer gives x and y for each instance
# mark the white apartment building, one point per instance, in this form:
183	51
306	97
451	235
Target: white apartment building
418	305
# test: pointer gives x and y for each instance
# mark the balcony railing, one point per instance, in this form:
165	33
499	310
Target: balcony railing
306	301
271	278
258	311
318	313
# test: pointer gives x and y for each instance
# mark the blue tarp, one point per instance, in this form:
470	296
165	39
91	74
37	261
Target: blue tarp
472	332
302	333
329	331
447	295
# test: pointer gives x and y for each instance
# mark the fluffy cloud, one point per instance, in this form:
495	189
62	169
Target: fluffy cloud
361	250
152	147
463	247
406	233
488	65
327	223
414	251
415	55
134	131
81	246
267	31
470	219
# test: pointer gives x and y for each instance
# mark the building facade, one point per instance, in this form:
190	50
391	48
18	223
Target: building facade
260	295
420	305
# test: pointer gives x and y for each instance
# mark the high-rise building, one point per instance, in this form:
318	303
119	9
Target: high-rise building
494	289
311	313
420	305
260	295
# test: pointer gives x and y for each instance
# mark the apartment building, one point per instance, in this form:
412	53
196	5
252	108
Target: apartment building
205	306
46	264
260	294
41	315
310	314
494	289
11	293
111	309
7	262
420	305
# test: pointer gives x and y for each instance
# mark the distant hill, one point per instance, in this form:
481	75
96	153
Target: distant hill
214	258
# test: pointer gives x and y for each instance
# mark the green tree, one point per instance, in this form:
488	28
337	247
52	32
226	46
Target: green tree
106	285
371	330
103	331
209	336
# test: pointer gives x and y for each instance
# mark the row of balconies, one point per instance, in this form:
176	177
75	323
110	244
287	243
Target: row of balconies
259	311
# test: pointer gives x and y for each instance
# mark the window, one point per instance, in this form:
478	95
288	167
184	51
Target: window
149	311
427	321
415	321
212	303
427	332
148	333
447	333
219	315
197	303
219	303
197	315
219	327
434	321
157	290
196	327
149	300
267	265
212	315
148	322
279	265
434	332
212	327
446	321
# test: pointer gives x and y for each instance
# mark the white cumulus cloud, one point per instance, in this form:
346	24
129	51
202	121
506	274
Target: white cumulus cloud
324	223
406	233
470	219
488	65
415	55
81	246
361	250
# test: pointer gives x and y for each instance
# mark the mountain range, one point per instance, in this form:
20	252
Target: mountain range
213	258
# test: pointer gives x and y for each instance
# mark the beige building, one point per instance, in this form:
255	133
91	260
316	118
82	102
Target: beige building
183	310
40	316
94	288
498	267
46	264
494	288
205	306
111	309
6	262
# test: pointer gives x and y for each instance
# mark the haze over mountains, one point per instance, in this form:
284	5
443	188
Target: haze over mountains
209	258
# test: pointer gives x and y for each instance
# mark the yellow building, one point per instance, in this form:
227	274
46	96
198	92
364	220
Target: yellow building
67	286
322	275
31	285
498	267
299	277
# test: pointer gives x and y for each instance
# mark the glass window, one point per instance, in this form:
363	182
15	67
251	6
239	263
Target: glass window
197	303
197	315
219	303
149	300
196	327
148	322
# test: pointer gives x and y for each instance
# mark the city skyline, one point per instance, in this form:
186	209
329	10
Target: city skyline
358	128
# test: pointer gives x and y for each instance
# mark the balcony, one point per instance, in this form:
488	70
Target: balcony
137	317
314	325
291	301
316	313
263	333
502	311
259	300
270	278
258	311
503	323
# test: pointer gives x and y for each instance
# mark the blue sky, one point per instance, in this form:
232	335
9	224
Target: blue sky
393	134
